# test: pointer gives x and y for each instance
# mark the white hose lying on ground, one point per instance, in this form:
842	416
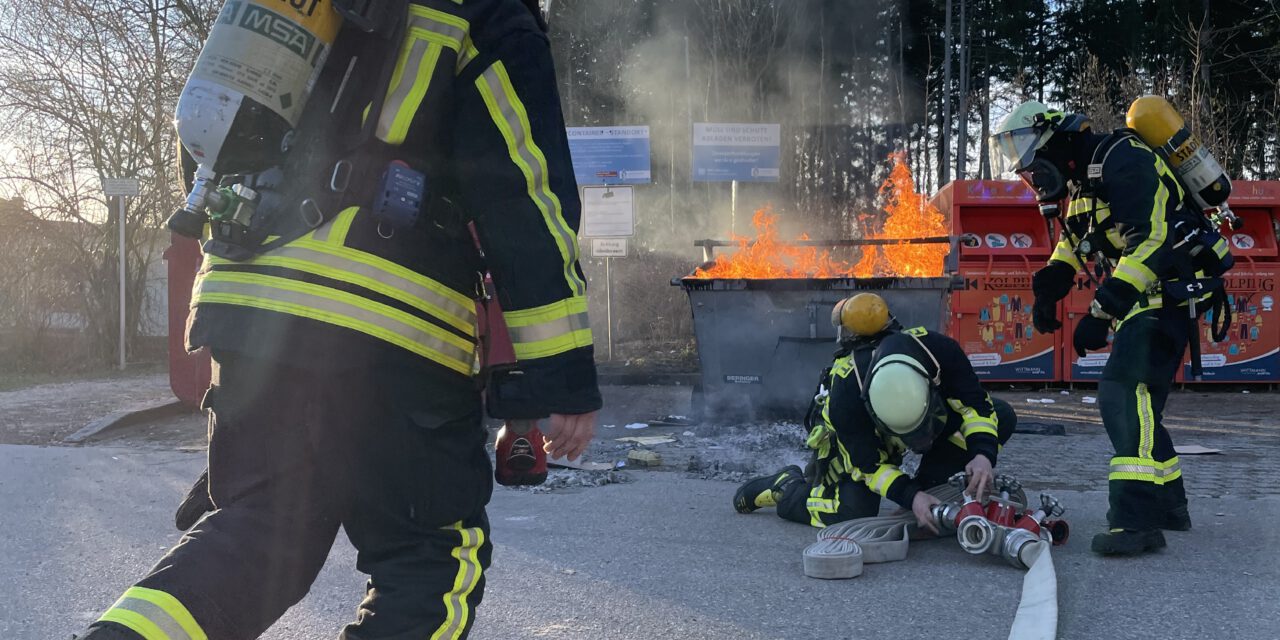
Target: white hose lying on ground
1037	617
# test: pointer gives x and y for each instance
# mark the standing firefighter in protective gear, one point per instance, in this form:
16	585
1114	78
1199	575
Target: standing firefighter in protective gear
343	391
889	391
1127	214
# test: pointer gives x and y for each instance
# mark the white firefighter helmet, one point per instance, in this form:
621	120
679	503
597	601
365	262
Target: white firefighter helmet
1024	131
902	401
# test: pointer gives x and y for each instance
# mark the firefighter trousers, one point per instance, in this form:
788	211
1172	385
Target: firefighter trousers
394	457
1145	479
854	499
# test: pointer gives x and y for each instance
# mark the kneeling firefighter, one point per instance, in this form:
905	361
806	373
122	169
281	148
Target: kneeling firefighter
889	391
1155	255
338	299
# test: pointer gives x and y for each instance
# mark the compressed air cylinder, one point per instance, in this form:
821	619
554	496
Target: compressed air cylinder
1163	129
245	95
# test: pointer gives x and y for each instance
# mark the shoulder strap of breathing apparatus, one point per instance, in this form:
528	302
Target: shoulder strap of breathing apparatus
1089	189
916	334
821	391
325	173
1093	172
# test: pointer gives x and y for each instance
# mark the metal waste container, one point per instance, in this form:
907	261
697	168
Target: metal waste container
762	344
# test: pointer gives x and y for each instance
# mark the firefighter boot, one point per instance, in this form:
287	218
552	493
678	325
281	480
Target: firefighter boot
764	491
520	459
1127	542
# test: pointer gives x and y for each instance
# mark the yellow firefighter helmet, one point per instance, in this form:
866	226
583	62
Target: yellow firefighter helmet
865	314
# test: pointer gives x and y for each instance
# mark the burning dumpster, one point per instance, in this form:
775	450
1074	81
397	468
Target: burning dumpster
762	315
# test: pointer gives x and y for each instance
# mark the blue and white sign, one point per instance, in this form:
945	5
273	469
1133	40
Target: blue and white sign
742	152
610	155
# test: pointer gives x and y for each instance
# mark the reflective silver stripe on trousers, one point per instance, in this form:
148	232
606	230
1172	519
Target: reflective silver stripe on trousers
539	187
1135	468
408	78
155	615
211	285
411	288
557	328
457	598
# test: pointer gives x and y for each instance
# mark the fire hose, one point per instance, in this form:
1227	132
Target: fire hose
1004	526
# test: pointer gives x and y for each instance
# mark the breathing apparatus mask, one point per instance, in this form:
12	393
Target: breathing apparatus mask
1046	180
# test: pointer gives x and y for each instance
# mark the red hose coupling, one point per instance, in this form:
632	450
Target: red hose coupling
1059	531
970	508
1028	522
1000	513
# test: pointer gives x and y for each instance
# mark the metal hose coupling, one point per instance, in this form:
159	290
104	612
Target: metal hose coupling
978	535
1017	547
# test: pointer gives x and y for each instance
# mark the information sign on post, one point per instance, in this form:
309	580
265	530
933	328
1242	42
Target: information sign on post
608	218
608	247
736	152
610	155
608	212
121	188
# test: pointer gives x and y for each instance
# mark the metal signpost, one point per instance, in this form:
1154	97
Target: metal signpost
121	188
726	152
610	155
608	218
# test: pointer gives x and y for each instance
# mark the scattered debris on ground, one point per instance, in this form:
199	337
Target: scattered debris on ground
561	479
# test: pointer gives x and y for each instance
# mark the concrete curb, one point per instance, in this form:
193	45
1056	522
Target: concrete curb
122	419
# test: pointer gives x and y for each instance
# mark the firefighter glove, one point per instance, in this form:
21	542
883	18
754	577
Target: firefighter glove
1050	284
1116	297
1091	334
1044	315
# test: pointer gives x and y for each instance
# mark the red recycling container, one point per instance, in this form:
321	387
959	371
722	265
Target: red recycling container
1251	350
1002	241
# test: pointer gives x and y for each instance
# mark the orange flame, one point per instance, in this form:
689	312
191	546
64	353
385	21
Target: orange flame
765	256
909	215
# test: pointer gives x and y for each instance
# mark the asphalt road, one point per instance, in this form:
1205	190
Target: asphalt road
661	557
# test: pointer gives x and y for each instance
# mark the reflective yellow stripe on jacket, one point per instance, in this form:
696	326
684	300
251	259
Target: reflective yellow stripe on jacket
1133	268
512	120
550	329
250	285
431	34
974	422
154	615
881	479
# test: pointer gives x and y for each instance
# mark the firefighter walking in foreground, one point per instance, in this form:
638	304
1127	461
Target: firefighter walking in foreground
1127	213
343	390
889	391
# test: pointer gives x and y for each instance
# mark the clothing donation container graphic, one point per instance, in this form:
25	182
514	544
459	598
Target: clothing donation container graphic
1074	308
1251	350
1003	240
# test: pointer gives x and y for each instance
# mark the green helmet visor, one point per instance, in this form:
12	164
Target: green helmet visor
1013	151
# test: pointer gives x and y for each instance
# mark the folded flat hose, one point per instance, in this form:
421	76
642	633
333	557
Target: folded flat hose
843	548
